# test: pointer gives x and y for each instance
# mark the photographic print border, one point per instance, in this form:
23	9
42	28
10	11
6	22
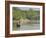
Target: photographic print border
7	18
26	31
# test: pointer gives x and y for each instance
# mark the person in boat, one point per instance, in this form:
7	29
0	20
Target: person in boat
18	23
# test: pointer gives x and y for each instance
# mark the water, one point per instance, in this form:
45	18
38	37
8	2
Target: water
35	25
29	27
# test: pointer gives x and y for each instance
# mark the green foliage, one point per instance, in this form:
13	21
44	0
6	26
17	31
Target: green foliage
24	14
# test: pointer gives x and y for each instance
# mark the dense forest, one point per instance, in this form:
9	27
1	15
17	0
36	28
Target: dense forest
24	14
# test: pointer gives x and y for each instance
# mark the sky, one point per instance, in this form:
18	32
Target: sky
27	8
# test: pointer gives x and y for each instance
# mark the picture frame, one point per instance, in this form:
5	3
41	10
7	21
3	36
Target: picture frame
9	5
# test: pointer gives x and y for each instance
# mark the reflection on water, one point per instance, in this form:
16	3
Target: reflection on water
29	27
34	25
